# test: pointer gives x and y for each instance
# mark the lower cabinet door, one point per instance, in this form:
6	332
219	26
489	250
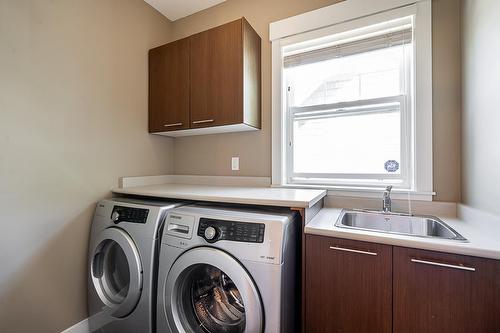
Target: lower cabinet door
440	293
348	286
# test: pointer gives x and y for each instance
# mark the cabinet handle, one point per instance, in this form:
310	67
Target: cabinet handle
203	121
172	125
433	263
338	248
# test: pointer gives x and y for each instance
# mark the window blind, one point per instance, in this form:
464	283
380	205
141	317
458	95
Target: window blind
372	43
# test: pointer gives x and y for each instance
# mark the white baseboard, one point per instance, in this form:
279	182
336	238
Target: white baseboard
81	327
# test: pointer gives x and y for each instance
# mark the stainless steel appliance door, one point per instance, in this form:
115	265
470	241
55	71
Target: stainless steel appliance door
116	271
208	291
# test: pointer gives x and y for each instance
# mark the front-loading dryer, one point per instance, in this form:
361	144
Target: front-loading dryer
228	270
122	264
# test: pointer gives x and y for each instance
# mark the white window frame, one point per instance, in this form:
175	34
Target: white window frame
346	16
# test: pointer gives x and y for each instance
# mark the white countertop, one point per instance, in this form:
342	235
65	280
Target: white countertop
483	237
268	196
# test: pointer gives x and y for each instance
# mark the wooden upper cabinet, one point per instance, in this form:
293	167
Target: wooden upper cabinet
439	292
348	286
169	87
223	86
217	76
225	76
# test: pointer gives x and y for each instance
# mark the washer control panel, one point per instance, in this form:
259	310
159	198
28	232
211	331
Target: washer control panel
129	214
213	230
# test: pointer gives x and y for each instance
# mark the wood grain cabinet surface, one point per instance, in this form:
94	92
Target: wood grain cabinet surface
348	286
169	86
439	292
353	286
210	80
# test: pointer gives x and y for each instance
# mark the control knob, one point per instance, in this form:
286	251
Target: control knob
210	233
115	217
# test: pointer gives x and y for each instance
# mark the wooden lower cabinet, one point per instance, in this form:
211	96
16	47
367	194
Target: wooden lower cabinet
402	290
348	286
439	293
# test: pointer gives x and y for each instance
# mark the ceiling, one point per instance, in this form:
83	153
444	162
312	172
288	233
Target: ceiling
176	9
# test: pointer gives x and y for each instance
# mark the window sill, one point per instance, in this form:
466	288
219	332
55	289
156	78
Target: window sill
360	192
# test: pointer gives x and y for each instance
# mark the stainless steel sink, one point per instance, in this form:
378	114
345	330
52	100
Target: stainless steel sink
397	223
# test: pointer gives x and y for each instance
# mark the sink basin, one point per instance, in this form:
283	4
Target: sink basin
396	223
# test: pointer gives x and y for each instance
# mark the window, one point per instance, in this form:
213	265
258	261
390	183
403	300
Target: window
349	115
349	107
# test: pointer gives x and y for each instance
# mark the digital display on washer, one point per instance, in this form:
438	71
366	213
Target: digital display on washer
129	214
214	230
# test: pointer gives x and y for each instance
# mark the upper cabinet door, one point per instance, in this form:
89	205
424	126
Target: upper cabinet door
216	76
169	87
439	292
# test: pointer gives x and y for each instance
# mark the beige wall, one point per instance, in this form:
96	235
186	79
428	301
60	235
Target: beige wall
446	106
73	118
211	155
481	100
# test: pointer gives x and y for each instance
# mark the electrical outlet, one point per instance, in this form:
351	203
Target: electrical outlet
235	163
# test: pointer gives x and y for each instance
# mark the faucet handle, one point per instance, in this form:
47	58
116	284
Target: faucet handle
388	188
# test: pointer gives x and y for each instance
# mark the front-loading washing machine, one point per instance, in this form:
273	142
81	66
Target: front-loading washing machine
123	255
228	270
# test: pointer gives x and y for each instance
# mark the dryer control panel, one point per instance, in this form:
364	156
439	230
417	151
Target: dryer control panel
129	214
213	230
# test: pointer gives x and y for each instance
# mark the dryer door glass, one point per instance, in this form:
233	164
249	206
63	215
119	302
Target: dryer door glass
116	271
115	277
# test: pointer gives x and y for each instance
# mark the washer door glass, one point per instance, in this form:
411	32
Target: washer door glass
215	300
116	271
208	291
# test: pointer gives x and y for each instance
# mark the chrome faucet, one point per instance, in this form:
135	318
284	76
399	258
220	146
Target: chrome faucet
386	200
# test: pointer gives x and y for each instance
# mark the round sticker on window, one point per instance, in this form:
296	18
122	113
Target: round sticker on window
391	166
